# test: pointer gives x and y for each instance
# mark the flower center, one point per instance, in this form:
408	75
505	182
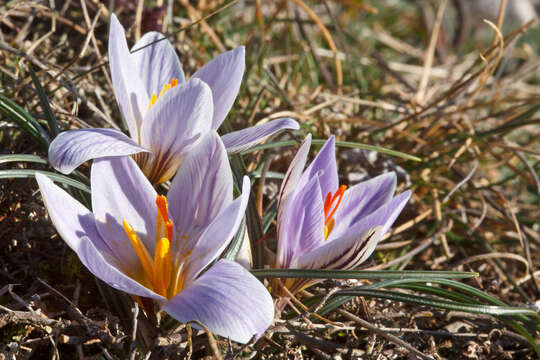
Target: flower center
159	269
330	209
166	87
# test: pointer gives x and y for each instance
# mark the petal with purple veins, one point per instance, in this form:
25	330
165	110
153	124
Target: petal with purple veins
129	90
217	236
202	188
76	225
224	76
325	165
354	247
361	200
228	300
173	125
300	224
157	63
74	147
294	173
120	192
244	139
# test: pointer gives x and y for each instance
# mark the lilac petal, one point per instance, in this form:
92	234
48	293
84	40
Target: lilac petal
228	300
300	224
244	139
325	165
244	256
129	90
202	188
224	76
120	191
361	200
156	64
73	147
76	226
172	126
352	249
217	235
288	186
96	263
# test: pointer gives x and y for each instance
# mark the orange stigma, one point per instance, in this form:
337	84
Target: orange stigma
166	87
163	211
330	210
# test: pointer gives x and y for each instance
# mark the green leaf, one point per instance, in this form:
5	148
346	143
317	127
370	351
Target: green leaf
44	100
333	303
520	329
268	218
434	302
25	121
345	144
28	173
22	158
360	274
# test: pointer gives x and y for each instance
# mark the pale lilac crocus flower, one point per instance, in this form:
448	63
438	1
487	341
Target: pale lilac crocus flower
165	114
156	247
322	225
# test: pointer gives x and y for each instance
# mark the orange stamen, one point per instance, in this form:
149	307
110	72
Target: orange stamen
328	203
164	89
163	210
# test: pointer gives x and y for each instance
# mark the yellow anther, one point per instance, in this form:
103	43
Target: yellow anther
153	100
162	266
140	249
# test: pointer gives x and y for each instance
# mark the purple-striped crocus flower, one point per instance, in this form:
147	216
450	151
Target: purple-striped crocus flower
156	247
322	225
164	113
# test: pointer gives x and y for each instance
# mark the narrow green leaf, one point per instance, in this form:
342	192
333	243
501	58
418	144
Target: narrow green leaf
437	291
444	304
25	121
268	218
345	144
520	329
333	303
22	158
471	295
28	173
360	274
44	100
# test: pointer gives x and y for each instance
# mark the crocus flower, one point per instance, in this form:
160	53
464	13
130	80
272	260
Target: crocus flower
322	225
156	247
164	113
